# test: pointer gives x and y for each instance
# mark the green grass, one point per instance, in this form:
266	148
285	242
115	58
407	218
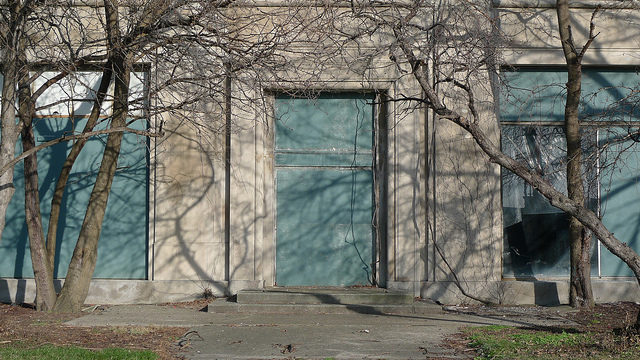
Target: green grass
50	352
504	342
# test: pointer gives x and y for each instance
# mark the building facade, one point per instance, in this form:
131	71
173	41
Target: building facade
343	178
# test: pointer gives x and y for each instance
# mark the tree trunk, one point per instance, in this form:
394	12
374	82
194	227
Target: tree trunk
8	136
42	271
577	210
83	261
9	131
580	293
77	147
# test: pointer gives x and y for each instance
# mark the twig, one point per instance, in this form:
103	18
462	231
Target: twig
85	135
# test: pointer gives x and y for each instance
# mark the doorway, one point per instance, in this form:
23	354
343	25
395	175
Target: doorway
325	189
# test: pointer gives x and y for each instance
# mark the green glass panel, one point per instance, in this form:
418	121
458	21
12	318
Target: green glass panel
331	122
324	230
610	95
122	249
534	94
620	195
324	196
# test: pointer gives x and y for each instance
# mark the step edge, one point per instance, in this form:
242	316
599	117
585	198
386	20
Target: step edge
415	309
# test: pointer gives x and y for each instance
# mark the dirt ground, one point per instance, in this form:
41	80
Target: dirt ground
21	325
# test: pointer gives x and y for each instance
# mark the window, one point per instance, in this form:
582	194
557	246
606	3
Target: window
122	249
532	112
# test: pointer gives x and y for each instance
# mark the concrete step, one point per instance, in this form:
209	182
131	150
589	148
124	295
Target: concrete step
310	296
416	308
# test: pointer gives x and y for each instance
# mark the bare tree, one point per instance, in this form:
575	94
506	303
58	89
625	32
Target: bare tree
195	49
12	43
580	293
453	51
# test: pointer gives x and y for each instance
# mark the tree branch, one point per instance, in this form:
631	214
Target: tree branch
85	135
592	36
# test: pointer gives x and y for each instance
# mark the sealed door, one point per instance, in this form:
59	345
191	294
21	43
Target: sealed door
324	189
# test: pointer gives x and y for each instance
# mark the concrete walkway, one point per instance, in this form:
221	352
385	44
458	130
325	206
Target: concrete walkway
305	335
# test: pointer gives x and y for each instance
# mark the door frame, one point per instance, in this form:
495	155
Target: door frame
380	183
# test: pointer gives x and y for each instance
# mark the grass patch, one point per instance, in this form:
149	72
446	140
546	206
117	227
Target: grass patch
504	342
50	352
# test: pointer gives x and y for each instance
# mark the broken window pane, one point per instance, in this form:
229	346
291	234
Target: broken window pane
536	238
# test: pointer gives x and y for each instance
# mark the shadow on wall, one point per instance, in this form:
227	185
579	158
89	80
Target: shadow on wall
467	203
6	291
123	247
189	207
324	189
460	208
465	218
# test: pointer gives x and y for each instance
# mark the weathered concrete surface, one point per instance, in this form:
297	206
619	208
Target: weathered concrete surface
117	291
324	300
352	336
305	295
416	308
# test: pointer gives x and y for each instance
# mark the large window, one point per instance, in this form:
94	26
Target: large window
532	112
122	249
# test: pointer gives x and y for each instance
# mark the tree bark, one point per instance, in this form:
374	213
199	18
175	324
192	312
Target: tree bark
575	209
77	147
83	261
8	136
42	271
9	130
580	293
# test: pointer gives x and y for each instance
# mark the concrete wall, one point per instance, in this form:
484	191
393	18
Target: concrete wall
466	196
187	236
536	41
253	200
466	215
442	191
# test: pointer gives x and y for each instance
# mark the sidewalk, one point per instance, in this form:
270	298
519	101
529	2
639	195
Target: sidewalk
343	336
